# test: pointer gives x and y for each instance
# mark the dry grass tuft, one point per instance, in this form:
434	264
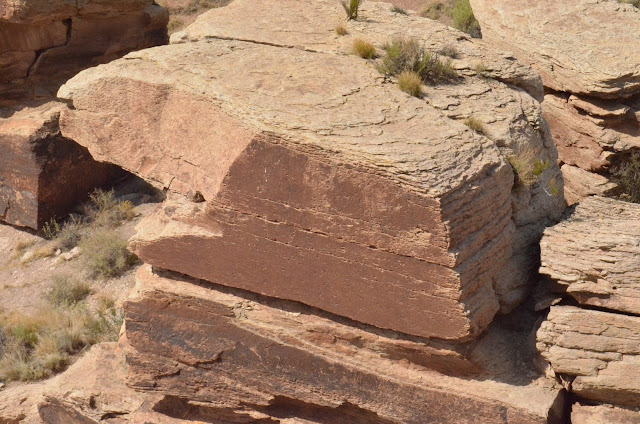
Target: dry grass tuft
411	83
341	30
435	11
526	166
364	49
475	125
464	20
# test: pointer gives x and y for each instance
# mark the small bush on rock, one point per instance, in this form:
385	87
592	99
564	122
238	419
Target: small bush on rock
105	253
341	30
464	20
434	11
406	54
627	175
364	49
475	125
411	83
352	8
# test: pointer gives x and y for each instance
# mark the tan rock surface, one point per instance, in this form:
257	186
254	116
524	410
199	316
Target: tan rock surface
579	184
603	414
191	340
356	178
42	174
601	349
595	254
569	43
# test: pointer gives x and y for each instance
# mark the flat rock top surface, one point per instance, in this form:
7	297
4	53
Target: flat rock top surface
332	103
30	11
580	46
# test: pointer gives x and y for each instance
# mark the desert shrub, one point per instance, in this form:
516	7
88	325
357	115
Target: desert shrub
397	9
38	346
352	8
635	3
449	51
67	290
434	11
105	253
105	210
410	82
406	54
50	229
364	49
481	70
463	18
627	176
475	125
341	30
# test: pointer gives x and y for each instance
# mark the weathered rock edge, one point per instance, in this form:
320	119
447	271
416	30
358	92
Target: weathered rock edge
193	341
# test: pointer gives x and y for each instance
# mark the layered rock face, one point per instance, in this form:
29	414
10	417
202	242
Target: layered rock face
587	414
42	174
591	76
43	43
378	206
593	257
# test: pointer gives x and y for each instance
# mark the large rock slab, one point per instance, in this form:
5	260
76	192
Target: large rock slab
374	202
232	351
42	174
603	414
594	254
601	349
43	43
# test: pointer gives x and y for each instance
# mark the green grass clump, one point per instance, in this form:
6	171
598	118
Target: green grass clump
352	8
627	176
410	82
526	166
464	20
406	54
475	125
364	49
105	253
396	9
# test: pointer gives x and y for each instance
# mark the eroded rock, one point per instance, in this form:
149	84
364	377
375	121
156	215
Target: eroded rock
373	202
601	349
43	174
233	351
603	414
594	254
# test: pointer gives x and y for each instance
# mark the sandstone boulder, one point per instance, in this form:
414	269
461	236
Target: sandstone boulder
232	352
603	414
601	349
378	206
43	43
43	174
594	254
579	184
587	54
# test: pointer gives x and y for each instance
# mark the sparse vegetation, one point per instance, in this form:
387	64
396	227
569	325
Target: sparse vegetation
435	11
105	253
635	3
475	125
553	187
481	70
406	54
627	175
463	18
449	51
411	83
364	49
396	9
341	30
526	166
67	290
352	8
37	346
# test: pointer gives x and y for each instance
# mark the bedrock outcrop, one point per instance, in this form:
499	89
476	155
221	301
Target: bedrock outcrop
603	414
235	352
43	174
600	349
299	172
43	43
587	54
594	254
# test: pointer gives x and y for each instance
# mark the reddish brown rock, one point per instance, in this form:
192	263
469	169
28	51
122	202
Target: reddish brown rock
43	43
579	184
373	205
603	414
232	353
601	349
42	174
593	254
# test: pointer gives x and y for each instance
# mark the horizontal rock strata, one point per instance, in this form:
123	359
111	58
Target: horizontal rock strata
42	174
595	254
235	354
603	414
601	349
43	43
587	55
378	206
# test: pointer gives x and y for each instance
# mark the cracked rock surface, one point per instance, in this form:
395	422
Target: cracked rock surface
323	183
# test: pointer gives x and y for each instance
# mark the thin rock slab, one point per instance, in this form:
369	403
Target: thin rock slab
594	254
227	352
603	414
42	174
601	349
579	184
